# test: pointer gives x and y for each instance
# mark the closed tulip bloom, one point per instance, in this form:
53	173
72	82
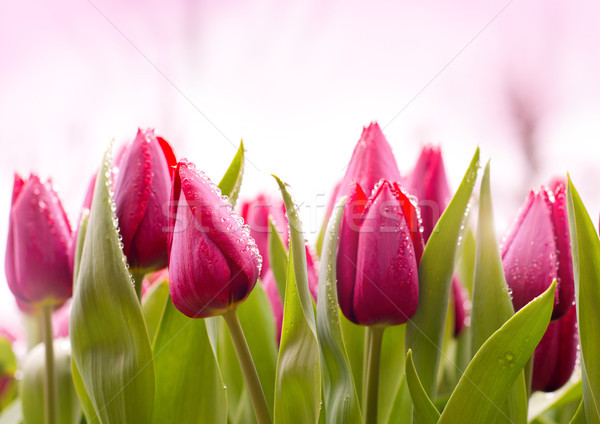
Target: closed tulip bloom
556	354
142	191
213	261
428	182
371	161
379	251
538	250
39	239
256	213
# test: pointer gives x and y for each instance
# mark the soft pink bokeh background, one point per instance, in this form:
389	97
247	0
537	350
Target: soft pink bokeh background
297	80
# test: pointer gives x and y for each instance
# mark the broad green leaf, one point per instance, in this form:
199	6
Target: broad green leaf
110	344
401	412
231	182
392	363
32	385
153	306
354	340
298	381
84	400
489	377
491	303
339	394
542	402
81	232
466	260
424	331
189	388
277	258
586	270
425	410
579	417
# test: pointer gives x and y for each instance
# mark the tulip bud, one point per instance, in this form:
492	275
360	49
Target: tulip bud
538	250
556	354
380	247
142	193
428	182
39	239
372	160
32	385
213	261
256	214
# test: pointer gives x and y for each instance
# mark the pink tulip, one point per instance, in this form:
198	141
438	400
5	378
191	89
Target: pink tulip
538	250
142	193
461	300
213	261
256	214
380	248
372	160
556	354
428	182
39	239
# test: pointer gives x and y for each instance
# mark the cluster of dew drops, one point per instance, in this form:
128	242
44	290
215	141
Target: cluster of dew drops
245	239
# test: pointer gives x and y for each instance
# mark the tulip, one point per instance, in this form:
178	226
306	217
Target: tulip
256	214
142	190
380	248
538	250
39	239
556	354
213	261
372	160
428	182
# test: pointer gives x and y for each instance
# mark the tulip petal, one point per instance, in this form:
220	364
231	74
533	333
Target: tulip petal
566	284
413	220
132	190
347	250
387	285
529	256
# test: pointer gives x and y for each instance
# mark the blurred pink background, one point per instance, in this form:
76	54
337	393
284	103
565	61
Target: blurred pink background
298	80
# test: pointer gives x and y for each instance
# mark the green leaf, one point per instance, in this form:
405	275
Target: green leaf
8	366
579	417
189	388
277	258
425	410
466	260
354	340
153	306
424	332
542	402
84	400
491	304
298	381
392	362
339	394
586	262
231	182
110	344
401	412
81	232
489	377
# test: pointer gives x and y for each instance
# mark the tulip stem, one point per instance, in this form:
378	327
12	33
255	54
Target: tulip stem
257	395
374	339
138	280
50	376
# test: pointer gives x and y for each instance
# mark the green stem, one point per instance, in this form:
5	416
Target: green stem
138	279
50	386
251	376
374	339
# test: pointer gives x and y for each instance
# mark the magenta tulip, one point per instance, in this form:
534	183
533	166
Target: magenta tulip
213	261
256	214
428	182
379	251
556	354
372	160
461	306
538	250
142	190
39	239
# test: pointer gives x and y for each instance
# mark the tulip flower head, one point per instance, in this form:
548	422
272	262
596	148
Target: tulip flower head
256	213
142	191
538	250
556	354
214	263
39	240
379	251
